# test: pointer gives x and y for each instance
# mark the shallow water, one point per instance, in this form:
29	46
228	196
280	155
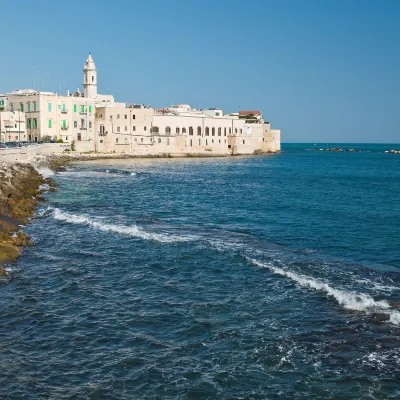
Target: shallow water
242	278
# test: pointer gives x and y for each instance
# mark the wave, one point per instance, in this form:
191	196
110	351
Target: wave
45	172
133	230
349	300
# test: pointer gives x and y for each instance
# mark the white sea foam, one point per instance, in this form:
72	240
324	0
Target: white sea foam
133	174
133	230
349	300
45	172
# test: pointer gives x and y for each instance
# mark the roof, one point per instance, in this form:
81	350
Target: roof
249	112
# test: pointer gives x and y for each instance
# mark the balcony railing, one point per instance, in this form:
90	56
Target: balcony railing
64	111
64	128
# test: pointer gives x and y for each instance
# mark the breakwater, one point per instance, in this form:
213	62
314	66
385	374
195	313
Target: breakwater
19	196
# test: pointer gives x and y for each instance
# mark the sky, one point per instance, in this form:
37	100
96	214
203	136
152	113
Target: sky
319	70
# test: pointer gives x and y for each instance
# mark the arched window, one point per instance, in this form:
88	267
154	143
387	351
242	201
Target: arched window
154	129
168	129
213	131
190	130
92	78
177	130
219	131
207	131
183	130
199	131
224	131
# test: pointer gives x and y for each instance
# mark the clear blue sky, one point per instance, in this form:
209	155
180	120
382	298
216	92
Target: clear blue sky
322	71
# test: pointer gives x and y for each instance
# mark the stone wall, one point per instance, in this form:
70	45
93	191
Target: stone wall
25	154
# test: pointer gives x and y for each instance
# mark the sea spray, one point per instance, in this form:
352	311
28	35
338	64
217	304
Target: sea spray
349	300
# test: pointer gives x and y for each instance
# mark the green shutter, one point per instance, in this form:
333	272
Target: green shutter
63	107
74	107
49	123
21	107
90	109
48	106
34	106
12	107
64	123
82	108
29	107
35	123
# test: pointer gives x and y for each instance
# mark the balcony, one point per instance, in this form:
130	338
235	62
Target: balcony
64	128
82	112
64	111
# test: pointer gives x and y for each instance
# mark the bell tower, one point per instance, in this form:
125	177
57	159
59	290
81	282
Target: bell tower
90	78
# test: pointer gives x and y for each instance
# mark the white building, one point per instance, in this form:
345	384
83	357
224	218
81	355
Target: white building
12	126
95	122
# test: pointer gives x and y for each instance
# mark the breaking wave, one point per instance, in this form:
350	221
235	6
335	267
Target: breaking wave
133	230
349	300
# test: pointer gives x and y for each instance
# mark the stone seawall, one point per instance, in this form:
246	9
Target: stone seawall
28	153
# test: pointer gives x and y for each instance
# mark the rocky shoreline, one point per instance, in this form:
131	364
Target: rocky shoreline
19	196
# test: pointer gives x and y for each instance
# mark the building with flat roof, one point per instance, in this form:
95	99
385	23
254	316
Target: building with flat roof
95	122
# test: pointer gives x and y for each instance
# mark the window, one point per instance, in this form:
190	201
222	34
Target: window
126	128
21	107
118	129
219	131
90	109
241	131
126	117
230	130
126	140
199	142
83	108
49	123
154	129
28	123
168	141
34	106
177	130
63	124
82	122
141	140
168	129
63	108
12	107
229	146
199	131
35	123
206	142
212	141
66	138
159	140
207	131
116	140
190	142
190	130
117	116
235	130
224	131
29	107
244	142
183	130
213	132
110	117
75	124
134	128
101	141
75	107
133	116
145	128
90	124
92	78
219	141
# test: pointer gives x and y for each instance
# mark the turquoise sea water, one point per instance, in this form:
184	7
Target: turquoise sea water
263	277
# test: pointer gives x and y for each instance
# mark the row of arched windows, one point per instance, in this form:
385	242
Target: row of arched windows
155	129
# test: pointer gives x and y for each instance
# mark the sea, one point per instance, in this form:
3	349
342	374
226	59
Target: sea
262	277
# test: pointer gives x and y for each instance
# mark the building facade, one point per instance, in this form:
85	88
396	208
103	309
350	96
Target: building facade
95	122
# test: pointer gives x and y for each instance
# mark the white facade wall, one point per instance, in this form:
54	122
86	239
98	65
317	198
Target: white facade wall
12	127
